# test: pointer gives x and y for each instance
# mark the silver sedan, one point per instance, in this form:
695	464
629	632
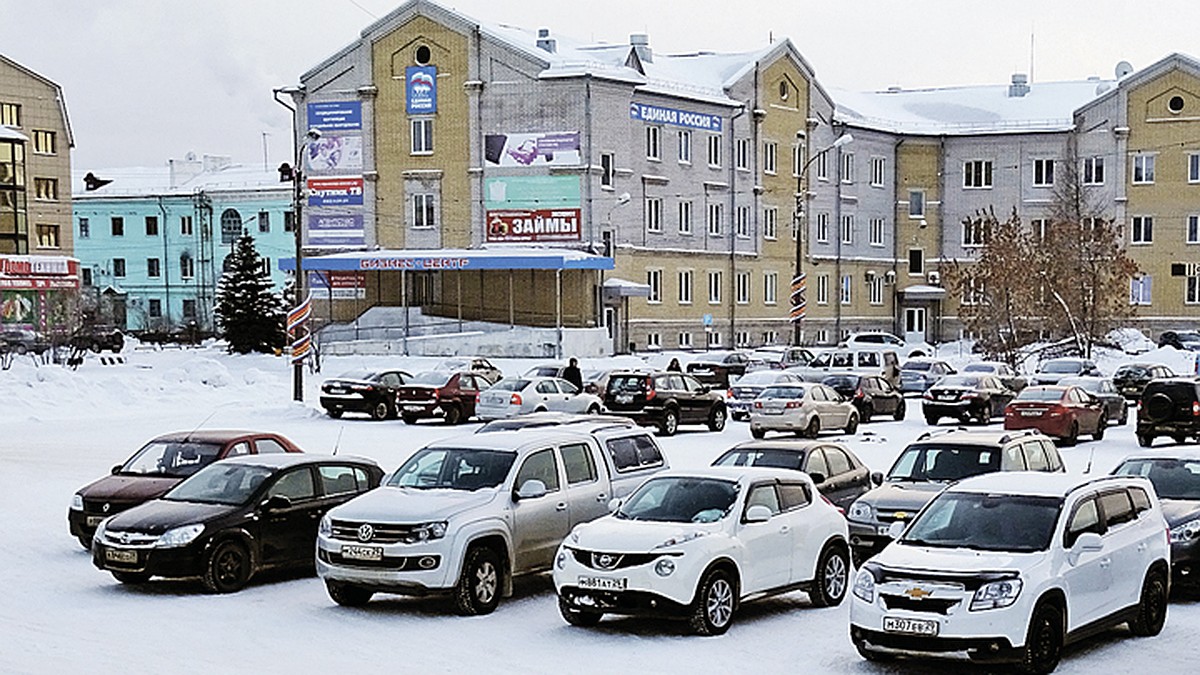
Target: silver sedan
803	409
514	396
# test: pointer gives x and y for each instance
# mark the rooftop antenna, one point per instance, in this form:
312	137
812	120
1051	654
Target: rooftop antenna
338	443
202	422
1031	33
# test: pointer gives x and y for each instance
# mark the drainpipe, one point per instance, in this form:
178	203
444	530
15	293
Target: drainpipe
733	227
166	263
837	264
896	244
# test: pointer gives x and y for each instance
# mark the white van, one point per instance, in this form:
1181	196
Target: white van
884	363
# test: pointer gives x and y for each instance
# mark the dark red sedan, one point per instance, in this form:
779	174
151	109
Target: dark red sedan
1061	412
450	396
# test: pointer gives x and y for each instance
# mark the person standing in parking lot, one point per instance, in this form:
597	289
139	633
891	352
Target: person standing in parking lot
571	373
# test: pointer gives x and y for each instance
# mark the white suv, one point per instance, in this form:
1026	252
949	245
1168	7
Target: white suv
1012	566
694	545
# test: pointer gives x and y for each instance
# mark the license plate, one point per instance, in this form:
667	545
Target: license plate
895	624
624	398
702	371
374	553
118	556
948	397
1031	413
93	521
414	408
603	583
336	390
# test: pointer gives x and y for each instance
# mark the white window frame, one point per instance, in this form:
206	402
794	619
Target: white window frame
713	151
875	290
847	174
1194	168
822	233
742	286
654	281
1043	173
770	288
421	129
1141	230
1092	171
1192	229
686	280
654	213
822	166
1191	290
847	228
823	289
714	338
654	340
797	159
977	174
714	213
1039	226
424	207
1142	171
973	234
685	340
1141	290
742	222
653	143
875	230
878	171
742	154
916	198
608	169
685	146
846	295
771	223
770	158
716	280
685	217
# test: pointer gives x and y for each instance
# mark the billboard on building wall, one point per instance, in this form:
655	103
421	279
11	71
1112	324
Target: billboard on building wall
421	89
334	153
335	115
527	225
532	209
335	231
339	285
654	114
553	148
335	191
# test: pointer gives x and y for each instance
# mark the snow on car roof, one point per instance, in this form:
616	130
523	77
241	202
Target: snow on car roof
735	473
1033	483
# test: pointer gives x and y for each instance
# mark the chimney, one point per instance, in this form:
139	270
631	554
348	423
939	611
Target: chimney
641	45
545	42
1019	86
184	170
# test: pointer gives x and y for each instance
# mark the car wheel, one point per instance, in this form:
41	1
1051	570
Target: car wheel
227	569
670	422
1145	440
1043	641
1124	418
593	410
21	350
1100	425
757	432
478	589
814	427
453	415
1179	439
1152	608
578	617
85	541
348	595
851	424
867	411
931	420
1072	436
335	413
381	411
716	418
95	347
716	599
833	574
131	577
900	410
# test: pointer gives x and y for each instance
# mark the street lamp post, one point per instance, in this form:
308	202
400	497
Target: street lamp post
799	281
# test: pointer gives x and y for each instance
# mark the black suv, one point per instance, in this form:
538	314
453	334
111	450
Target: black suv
665	400
98	338
1169	407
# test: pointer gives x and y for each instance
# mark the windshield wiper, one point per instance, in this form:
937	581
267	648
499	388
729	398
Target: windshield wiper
930	544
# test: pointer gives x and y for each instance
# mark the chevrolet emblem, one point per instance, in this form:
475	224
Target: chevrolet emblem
901	515
918	593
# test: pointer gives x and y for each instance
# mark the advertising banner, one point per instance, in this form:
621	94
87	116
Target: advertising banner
533	225
532	192
334	153
335	115
421	89
335	191
341	285
654	114
335	231
553	148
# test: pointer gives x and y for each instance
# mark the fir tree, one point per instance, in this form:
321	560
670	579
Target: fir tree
250	315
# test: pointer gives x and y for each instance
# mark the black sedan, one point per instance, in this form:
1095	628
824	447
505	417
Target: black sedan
1176	478
1131	379
872	395
966	398
366	391
232	519
840	476
1116	408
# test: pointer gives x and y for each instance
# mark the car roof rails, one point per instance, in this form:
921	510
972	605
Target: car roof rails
1018	434
940	432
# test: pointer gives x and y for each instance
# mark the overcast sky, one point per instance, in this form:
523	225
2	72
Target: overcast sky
148	80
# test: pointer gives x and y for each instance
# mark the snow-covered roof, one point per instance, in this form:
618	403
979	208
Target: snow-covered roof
10	134
189	178
1047	106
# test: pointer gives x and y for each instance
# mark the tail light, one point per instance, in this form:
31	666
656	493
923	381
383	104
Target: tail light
437	393
478	396
928	396
729	394
650	393
858	393
1056	410
758	404
515	399
1196	408
791	405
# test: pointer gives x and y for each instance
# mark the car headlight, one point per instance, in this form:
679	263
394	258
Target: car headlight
864	586
180	536
77	502
664	567
100	529
996	594
430	531
681	539
862	512
560	561
325	528
1186	532
574	536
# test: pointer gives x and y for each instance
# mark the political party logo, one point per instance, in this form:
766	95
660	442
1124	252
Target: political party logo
653	114
421	89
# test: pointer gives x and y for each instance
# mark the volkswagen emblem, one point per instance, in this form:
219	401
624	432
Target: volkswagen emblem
365	532
106	507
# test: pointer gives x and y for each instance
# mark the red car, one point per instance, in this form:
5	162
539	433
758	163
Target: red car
437	393
1061	412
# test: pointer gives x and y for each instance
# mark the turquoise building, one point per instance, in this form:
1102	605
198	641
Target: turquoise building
151	242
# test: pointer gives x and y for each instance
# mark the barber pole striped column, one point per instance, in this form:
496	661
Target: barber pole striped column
799	302
297	329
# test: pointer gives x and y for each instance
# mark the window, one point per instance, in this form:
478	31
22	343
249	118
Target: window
1093	171
1194	168
424	213
654	143
742	157
916	203
797	159
264	221
654	281
822	163
118	267
45	142
335	480
578	463
1085	519
1143	169
685	287
654	214
685	147
743	221
685	340
266	267
85	228
743	288
848	229
977	174
47	236
187	266
289	221
654	340
877	171
46	189
118	226
771	223
770	157
1040	228
848	167
822	228
714	219
189	309
153	268
742	339
770	337
973	292
847	295
875	290
823	289
1141	230
151	226
10	114
1118	508
1193	229
1191	293
714	151
1043	172
770	287
296	485
155	308
422	136
608	169
714	287
875	232
973	233
916	261
185	226
714	339
685	217
1140	289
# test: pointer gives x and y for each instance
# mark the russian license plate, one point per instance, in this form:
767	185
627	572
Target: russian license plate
603	583
895	624
1031	413
93	521
414	408
370	553
624	398
119	556
948	397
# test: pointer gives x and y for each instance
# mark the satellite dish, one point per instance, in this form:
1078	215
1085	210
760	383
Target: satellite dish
1124	68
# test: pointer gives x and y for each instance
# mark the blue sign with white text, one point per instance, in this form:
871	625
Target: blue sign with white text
335	115
653	114
421	88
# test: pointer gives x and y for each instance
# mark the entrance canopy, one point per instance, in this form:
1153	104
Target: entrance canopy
922	292
428	260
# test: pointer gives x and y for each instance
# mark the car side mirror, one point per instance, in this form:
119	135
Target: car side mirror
758	514
1088	542
614	504
277	503
530	489
704	389
116	469
896	529
817	477
877	478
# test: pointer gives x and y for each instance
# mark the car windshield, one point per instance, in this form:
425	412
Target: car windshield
986	522
510	384
176	459
220	483
1132	371
980	368
759	377
454	469
1172	478
841	381
958	381
680	500
432	377
917	365
782	392
943	462
1085	383
1039	394
543	371
1061	367
365	375
627	384
770	457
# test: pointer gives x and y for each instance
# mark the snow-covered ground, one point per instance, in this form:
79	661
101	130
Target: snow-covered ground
63	429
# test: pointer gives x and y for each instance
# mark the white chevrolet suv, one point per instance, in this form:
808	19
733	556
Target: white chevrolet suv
1009	567
696	544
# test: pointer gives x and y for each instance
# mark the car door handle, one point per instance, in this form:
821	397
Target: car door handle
601	497
1142	547
785	529
1106	563
561	506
